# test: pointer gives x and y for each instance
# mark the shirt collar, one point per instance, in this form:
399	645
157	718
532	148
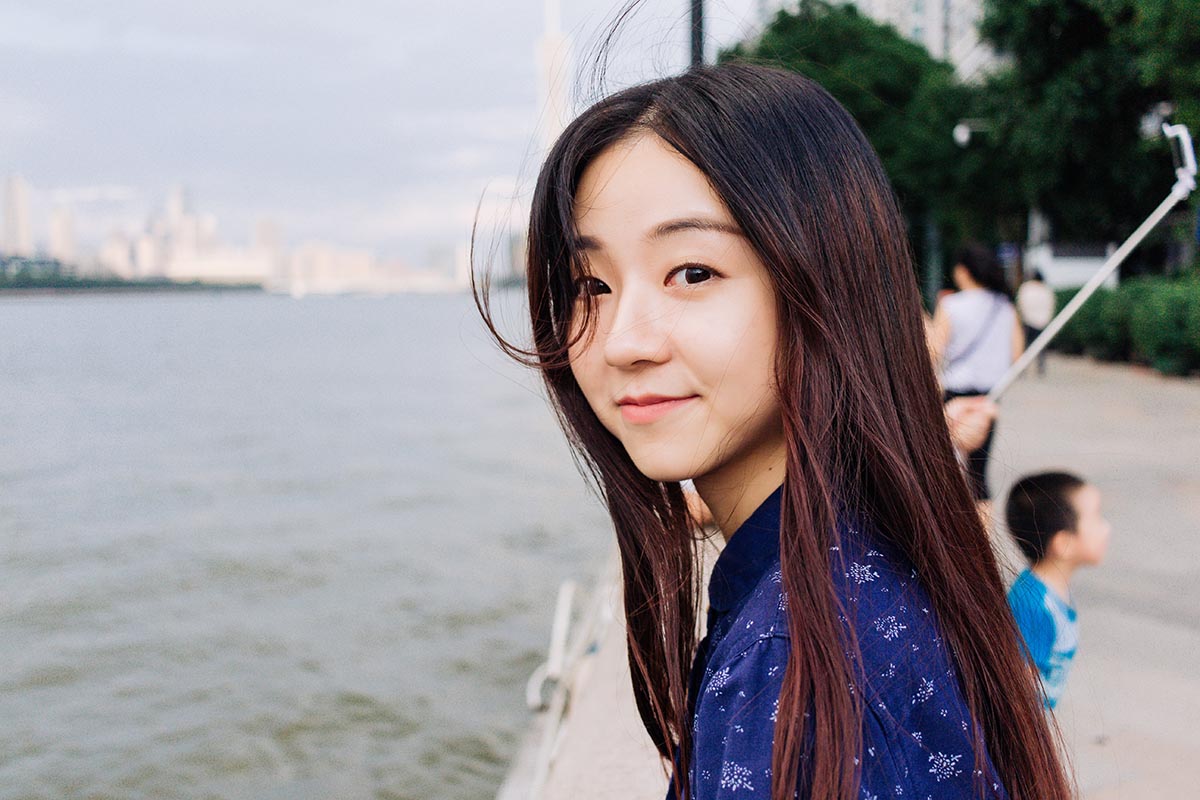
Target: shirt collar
750	551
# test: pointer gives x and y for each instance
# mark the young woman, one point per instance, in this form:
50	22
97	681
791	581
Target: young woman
720	289
976	337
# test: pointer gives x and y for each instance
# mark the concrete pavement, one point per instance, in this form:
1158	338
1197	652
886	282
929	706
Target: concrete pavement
1133	695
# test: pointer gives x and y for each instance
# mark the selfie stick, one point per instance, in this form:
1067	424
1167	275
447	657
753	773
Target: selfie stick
1185	183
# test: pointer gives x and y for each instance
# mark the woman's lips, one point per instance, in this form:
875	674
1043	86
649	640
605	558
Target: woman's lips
643	411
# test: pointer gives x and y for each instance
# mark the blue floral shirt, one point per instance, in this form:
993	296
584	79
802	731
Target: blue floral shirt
917	732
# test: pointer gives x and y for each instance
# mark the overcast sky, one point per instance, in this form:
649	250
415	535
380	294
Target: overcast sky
371	123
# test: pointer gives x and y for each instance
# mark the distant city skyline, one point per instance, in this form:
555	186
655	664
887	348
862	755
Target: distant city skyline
374	125
369	125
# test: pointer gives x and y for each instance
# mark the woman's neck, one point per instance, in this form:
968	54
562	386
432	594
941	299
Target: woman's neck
964	281
733	493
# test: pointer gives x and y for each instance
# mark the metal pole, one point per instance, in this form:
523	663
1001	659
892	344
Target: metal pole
933	259
697	33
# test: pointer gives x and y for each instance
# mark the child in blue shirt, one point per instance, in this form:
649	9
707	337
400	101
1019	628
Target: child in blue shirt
1055	519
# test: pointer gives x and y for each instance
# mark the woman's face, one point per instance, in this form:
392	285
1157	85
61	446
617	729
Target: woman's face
679	361
961	277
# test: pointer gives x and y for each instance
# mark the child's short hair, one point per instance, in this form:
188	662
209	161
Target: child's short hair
1040	506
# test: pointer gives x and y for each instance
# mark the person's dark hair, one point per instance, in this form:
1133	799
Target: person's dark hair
862	416
983	266
1038	507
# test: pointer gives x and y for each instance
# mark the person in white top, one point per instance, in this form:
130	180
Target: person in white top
975	336
1035	302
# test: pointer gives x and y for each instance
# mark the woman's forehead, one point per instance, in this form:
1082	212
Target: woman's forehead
642	188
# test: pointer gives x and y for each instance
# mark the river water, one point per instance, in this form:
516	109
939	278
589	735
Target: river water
259	547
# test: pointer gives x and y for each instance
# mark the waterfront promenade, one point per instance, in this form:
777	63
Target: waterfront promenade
1134	692
1133	695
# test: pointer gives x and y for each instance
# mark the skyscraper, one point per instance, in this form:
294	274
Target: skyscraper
18	234
62	235
178	206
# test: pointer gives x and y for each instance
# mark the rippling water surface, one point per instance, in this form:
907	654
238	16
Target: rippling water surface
255	547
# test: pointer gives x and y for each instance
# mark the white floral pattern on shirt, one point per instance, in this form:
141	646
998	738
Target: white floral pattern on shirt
912	746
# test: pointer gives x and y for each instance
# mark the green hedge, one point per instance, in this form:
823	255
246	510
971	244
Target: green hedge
1149	320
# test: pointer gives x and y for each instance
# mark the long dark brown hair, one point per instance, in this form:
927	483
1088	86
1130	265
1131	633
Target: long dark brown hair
862	417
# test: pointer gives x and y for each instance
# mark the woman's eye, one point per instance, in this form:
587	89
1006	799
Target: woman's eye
588	286
690	275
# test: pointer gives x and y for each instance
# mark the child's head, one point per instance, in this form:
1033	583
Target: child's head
1056	515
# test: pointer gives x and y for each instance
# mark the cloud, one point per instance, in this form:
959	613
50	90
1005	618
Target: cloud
442	210
31	29
20	116
93	195
498	124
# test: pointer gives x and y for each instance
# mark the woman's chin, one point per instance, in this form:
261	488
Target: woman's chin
664	470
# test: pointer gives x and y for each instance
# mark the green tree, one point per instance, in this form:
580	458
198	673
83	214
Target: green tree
1164	37
1067	111
907	104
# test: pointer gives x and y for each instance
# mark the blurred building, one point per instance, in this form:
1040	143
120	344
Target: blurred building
147	257
116	256
267	236
179	244
62	236
221	265
948	29
319	268
177	207
18	231
1068	266
518	253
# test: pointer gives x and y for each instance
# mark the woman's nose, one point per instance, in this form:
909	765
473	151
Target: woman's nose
638	332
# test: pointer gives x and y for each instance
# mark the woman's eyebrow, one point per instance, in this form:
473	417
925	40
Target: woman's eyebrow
587	243
667	228
693	224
